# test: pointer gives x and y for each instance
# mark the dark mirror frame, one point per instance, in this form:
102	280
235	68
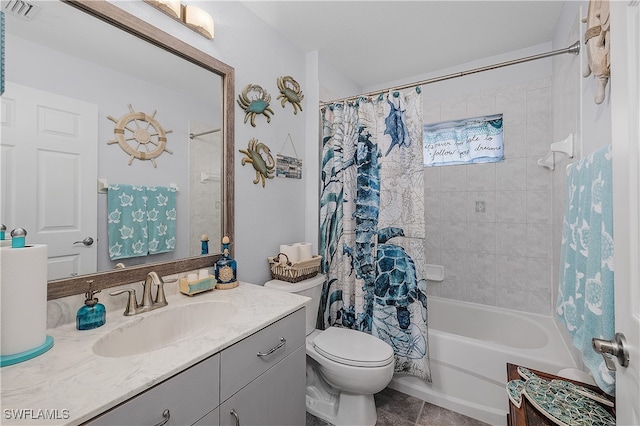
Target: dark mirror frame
142	29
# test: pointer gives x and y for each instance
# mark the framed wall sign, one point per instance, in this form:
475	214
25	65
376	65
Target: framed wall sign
467	141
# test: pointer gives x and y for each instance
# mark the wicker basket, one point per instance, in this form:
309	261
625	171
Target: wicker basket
293	272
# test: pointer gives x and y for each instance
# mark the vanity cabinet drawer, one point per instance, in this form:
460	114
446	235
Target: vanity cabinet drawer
276	398
188	396
249	358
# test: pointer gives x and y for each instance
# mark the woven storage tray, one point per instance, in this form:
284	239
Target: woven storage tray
293	272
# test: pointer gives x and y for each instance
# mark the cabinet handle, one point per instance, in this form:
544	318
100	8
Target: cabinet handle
235	416
166	415
283	341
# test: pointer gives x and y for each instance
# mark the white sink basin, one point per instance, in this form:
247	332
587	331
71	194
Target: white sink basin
163	327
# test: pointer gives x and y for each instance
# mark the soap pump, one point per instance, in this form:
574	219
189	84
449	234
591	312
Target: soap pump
92	314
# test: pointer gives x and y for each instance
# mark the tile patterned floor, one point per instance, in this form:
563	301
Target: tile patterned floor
397	409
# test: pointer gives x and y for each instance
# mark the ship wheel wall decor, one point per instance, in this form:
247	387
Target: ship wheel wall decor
140	135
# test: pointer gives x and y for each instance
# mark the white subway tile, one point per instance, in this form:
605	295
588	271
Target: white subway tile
539	275
481	268
539	207
511	271
511	174
453	178
481	293
511	239
481	177
454	236
539	241
515	141
481	237
454	206
511	206
455	265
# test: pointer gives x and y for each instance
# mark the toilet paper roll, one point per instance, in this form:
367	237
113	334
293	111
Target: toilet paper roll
304	251
23	298
291	250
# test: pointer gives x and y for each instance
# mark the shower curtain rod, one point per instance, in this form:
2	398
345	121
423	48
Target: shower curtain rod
195	135
573	49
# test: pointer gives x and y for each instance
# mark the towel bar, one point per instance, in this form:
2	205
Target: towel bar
565	146
103	186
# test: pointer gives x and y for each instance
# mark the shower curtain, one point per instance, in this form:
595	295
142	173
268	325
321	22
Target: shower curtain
372	224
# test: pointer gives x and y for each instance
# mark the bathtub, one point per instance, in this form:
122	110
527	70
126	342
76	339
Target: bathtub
469	347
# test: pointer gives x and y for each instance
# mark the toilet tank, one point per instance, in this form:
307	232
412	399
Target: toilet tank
311	287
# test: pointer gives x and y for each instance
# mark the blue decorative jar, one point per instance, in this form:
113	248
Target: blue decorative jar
226	269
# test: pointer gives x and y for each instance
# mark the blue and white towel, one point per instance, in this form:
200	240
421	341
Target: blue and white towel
161	217
585	297
141	220
127	221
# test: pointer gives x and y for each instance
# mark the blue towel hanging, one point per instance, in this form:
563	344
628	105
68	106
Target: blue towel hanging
161	216
127	221
585	302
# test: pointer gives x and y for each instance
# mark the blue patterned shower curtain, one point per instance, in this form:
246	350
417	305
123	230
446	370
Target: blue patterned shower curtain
372	223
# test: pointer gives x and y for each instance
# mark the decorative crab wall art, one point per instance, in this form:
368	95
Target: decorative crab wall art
263	167
290	92
256	104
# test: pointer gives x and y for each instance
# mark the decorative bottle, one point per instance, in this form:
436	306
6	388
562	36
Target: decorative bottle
204	246
92	314
226	268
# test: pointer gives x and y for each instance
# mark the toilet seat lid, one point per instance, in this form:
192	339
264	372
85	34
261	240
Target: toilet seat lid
352	347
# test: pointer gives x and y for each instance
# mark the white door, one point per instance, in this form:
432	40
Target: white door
625	120
49	169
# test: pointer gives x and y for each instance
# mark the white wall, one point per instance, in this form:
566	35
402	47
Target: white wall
264	217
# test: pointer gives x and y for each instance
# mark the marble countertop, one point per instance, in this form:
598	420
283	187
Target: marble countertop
69	384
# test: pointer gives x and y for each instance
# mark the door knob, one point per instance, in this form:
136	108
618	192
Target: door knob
87	241
615	347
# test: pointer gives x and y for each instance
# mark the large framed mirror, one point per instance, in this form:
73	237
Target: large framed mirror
94	63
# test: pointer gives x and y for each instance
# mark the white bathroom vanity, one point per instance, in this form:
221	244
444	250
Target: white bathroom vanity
245	369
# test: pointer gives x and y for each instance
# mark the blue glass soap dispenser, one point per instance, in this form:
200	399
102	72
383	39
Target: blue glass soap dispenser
92	314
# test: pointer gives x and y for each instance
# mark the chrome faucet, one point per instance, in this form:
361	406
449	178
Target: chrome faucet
148	304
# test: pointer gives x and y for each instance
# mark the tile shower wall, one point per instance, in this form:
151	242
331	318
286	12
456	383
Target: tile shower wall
490	225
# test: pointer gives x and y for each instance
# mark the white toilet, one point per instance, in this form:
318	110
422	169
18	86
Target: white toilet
344	367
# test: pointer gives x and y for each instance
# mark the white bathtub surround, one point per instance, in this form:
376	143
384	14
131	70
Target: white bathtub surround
470	345
500	256
71	377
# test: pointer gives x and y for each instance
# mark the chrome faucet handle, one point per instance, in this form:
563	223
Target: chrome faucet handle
132	303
